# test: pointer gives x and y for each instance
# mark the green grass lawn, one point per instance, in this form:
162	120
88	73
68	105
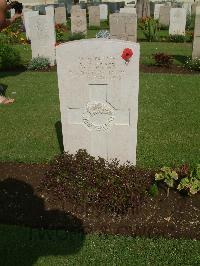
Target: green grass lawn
168	127
25	247
180	51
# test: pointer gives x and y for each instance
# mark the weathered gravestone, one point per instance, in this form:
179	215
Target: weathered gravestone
164	15
78	20
196	43
43	35
94	16
27	14
157	10
128	10
60	15
123	27
177	21
103	11
99	97
143	8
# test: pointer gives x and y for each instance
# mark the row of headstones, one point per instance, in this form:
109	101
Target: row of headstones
123	25
175	18
41	29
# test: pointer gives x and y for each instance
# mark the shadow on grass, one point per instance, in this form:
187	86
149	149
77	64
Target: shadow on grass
58	127
180	58
20	205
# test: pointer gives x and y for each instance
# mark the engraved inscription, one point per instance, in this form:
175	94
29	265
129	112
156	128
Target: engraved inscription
98	67
98	116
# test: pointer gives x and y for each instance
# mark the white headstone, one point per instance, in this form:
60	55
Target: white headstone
123	26
60	15
99	97
94	16
43	38
103	11
177	21
157	10
27	14
128	10
196	43
78	20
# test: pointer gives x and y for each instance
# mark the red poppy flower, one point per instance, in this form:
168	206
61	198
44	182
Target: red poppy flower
127	54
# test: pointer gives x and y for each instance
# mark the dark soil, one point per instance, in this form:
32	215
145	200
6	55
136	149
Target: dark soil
174	69
22	202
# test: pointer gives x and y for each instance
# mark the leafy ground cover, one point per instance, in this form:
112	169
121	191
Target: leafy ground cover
23	246
168	127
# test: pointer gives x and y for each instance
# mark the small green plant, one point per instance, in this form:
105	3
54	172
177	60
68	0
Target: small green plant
9	57
162	59
193	64
177	38
154	190
167	175
76	36
149	28
39	63
191	183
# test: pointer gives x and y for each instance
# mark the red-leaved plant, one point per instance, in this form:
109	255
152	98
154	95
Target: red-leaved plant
162	59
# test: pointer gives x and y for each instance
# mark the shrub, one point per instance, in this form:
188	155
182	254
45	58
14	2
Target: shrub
190	22
184	178
191	183
4	39
177	38
162	59
149	28
76	36
39	63
60	30
94	182
9	57
14	33
193	64
189	36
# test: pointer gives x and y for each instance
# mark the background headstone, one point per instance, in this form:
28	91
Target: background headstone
43	38
196	43
164	15
60	15
78	20
94	16
177	21
143	8
99	98
128	10
103	11
123	27
157	10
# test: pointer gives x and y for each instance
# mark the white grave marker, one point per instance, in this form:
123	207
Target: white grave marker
196	43
157	10
103	11
43	37
177	21
99	97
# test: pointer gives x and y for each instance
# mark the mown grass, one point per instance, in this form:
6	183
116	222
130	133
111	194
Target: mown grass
180	51
168	126
26	247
